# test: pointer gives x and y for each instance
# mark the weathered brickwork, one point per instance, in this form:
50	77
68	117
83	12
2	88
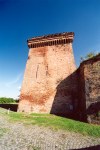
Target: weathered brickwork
49	84
52	84
90	89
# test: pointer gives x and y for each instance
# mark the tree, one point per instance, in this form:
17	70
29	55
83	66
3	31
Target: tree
88	56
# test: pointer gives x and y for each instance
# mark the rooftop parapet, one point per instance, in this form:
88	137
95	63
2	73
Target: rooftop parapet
51	39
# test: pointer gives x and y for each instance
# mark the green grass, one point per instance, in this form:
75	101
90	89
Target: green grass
53	122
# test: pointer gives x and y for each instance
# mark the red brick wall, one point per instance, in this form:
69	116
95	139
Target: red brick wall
48	68
90	88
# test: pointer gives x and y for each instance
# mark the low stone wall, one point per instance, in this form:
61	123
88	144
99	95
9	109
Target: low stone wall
89	89
12	107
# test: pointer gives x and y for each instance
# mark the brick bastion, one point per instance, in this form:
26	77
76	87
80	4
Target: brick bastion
50	81
53	84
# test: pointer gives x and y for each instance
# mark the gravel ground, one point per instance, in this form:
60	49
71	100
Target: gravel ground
19	136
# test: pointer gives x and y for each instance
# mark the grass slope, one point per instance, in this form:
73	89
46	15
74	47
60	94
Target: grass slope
54	122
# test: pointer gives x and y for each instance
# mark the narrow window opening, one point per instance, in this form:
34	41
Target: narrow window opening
37	71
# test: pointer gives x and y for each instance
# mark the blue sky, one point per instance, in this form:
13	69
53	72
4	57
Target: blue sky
23	19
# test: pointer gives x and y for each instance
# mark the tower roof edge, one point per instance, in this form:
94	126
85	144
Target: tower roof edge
68	36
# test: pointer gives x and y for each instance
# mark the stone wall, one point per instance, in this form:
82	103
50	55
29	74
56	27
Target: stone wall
89	84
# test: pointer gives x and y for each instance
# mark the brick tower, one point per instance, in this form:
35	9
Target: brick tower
49	67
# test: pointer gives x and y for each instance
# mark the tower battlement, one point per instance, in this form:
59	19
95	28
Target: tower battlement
51	39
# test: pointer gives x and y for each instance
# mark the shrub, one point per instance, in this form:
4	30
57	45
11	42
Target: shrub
88	56
4	100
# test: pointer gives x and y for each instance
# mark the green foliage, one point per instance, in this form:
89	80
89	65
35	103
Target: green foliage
88	56
4	100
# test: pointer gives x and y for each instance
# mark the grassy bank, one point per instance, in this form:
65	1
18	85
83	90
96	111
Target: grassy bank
53	122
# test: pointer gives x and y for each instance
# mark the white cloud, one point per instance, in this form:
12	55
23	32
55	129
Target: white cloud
19	87
11	88
14	81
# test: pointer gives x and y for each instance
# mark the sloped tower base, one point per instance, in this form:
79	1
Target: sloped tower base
49	80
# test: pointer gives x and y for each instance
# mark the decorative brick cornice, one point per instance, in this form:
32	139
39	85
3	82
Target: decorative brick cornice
51	39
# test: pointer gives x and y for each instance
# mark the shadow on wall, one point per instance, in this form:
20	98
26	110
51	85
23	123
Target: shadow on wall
12	107
66	101
90	148
93	113
94	108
